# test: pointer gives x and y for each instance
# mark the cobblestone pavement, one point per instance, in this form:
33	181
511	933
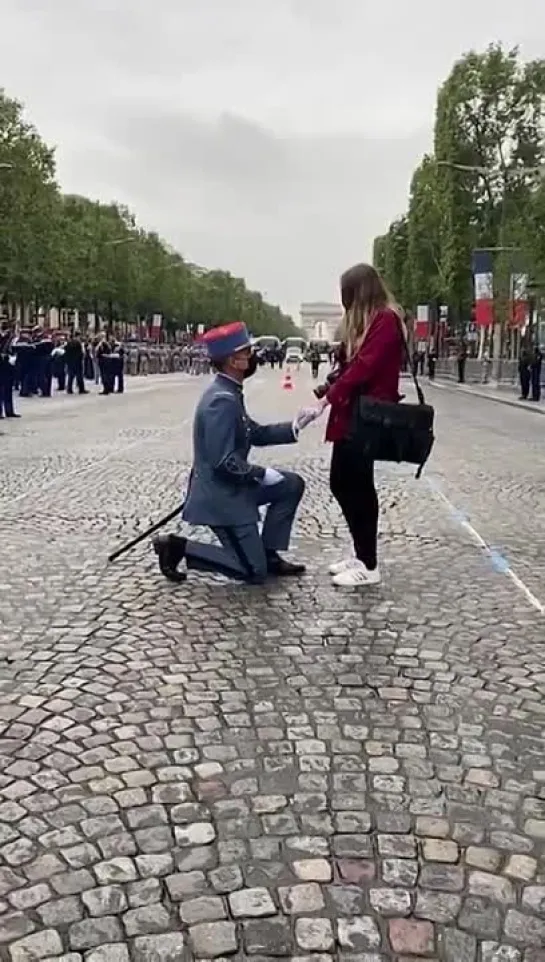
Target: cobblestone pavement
282	772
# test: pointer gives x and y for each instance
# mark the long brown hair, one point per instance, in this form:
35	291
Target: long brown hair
363	295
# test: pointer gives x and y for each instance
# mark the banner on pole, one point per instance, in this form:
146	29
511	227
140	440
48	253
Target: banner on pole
483	278
422	323
519	300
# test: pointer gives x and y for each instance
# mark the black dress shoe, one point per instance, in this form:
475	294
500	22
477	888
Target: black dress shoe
284	569
13	415
170	551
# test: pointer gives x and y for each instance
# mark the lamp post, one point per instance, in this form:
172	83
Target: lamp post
115	244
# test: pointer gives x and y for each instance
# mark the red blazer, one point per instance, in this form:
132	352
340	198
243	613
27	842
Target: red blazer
373	371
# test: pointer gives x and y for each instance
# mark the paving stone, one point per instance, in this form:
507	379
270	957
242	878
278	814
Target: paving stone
480	917
314	935
494	952
439	850
227	878
358	934
36	946
15	925
301	899
400	871
145	892
116	870
94	932
458	946
146	920
203	909
200	833
487	859
106	900
491	887
356	870
250	903
211	940
68	957
390	902
533	899
313	870
521	867
442	878
401	846
29	898
109	953
60	912
410	937
160	948
439	907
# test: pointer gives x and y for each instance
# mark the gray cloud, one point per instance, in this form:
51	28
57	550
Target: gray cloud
274	140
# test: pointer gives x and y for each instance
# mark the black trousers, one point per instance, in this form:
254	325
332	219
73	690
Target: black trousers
75	373
352	483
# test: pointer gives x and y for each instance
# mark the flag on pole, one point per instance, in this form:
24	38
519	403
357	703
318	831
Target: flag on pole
422	323
519	300
483	278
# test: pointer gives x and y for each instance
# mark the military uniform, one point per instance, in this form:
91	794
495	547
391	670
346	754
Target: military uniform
226	490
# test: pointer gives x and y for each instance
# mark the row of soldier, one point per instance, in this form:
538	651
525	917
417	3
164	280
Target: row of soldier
38	362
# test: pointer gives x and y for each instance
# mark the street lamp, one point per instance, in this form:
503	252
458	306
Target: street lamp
115	244
120	240
538	172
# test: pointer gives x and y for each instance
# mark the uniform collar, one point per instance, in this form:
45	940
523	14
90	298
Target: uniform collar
231	380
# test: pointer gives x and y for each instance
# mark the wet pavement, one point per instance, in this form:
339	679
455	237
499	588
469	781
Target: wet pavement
282	772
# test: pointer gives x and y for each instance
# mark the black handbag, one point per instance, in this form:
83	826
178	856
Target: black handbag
388	431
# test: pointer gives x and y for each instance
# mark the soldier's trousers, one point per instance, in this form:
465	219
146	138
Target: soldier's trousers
243	550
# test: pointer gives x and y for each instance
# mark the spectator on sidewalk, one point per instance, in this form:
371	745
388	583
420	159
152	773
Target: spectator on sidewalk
525	360
535	374
462	358
432	361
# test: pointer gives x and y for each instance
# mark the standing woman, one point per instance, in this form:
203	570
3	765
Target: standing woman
372	338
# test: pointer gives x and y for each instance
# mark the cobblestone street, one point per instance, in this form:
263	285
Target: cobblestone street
211	771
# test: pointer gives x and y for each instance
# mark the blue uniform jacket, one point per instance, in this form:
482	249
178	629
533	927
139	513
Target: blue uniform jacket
223	484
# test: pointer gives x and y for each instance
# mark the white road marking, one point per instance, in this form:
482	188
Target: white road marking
499	563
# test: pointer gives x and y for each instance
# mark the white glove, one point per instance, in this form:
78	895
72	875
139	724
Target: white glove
272	477
304	417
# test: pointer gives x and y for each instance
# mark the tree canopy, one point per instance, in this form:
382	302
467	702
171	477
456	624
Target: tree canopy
479	188
66	251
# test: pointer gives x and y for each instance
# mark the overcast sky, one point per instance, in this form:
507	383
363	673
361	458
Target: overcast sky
272	138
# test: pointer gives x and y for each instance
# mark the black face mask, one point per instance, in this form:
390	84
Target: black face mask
252	366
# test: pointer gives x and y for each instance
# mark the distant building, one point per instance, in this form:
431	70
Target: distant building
320	320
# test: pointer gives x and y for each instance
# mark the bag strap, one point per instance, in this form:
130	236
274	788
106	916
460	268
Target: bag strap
419	391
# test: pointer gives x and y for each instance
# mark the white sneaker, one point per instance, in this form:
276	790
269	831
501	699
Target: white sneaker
338	566
357	576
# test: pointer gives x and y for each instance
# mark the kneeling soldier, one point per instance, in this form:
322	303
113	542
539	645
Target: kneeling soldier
225	490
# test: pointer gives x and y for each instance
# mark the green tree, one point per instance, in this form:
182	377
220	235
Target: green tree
380	245
490	114
70	252
395	259
425	236
28	202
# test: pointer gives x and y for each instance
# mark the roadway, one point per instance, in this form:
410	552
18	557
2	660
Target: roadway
210	770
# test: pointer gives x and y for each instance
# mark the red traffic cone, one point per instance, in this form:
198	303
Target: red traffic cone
286	383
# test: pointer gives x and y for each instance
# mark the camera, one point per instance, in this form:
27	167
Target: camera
321	390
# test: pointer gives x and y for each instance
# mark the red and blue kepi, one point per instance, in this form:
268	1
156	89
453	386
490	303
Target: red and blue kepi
223	341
